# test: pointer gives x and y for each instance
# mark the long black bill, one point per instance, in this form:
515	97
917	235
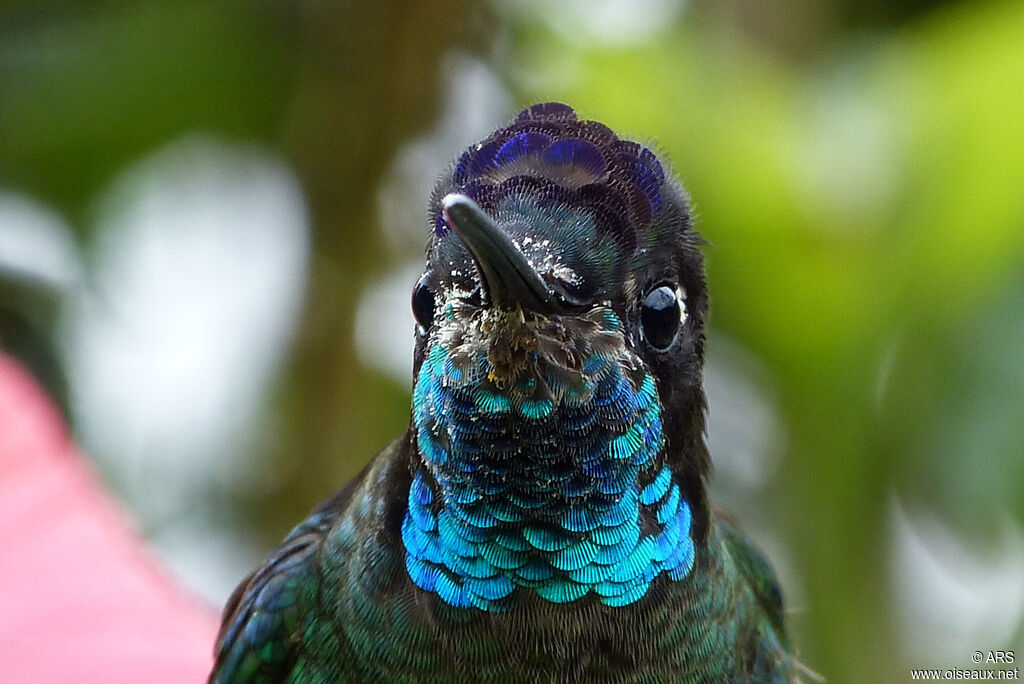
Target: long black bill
508	278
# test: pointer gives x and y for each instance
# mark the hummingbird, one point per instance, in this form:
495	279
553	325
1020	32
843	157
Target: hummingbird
544	516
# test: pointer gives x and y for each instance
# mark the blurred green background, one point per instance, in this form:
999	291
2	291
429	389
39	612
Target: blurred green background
212	215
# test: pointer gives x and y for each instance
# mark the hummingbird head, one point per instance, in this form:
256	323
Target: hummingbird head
559	249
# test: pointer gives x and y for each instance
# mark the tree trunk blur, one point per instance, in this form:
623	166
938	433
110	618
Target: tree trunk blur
370	79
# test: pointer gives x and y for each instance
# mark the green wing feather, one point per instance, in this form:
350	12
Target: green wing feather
264	619
769	659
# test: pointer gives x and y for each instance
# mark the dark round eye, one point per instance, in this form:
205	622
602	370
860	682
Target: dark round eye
660	315
423	304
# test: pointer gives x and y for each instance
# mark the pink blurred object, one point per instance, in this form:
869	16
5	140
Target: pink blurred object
81	600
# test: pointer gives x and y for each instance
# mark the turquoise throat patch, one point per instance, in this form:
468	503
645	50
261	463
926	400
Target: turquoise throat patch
562	496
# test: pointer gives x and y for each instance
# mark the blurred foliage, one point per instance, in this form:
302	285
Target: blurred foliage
87	88
857	168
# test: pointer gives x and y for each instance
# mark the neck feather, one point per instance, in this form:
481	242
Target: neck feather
531	486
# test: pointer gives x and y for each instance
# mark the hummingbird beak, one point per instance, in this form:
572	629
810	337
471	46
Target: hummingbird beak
507	277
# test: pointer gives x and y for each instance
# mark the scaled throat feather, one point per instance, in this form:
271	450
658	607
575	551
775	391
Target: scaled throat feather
542	445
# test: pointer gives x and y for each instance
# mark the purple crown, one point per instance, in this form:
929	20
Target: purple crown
550	153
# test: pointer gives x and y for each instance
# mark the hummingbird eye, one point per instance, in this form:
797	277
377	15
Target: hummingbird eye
661	314
423	304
